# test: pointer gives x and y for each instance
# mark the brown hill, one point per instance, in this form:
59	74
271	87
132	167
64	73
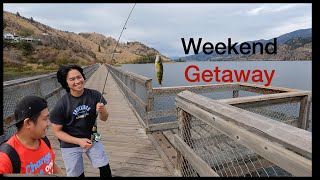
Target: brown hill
286	52
62	46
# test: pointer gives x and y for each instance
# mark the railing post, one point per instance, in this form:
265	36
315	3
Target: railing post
184	122
235	93
303	120
134	90
150	101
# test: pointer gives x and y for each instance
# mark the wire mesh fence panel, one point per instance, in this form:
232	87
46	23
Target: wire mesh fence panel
134	88
225	156
285	112
12	95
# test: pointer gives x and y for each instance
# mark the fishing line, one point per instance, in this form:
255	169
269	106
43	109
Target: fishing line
97	136
124	27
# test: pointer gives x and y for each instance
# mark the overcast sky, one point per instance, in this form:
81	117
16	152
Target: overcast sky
161	26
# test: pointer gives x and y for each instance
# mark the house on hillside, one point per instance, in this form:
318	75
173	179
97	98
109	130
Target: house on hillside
8	36
15	38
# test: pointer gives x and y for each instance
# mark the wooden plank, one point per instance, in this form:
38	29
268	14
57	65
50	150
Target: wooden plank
140	136
166	147
128	154
162	126
147	150
162	154
197	163
133	140
265	100
133	173
294	138
123	131
135	160
115	132
274	152
169	135
139	168
161	113
169	91
271	88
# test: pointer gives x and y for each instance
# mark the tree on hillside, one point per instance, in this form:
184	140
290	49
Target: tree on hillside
18	14
4	24
31	19
99	50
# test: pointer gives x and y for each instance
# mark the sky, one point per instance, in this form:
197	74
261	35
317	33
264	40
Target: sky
162	25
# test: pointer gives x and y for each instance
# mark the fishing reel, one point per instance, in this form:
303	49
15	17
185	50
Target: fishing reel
95	136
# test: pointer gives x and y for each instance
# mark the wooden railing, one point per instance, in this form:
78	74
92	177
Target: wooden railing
286	146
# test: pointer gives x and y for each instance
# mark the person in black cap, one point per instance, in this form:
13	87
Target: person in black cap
73	121
29	151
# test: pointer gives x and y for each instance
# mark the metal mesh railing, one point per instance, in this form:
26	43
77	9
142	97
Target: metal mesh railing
285	112
47	87
134	88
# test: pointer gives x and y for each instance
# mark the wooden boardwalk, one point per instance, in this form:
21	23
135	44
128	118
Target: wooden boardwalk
130	150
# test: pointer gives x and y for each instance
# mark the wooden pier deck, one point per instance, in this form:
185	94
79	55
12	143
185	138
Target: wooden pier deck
130	150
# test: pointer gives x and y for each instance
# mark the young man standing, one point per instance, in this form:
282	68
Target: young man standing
29	145
73	119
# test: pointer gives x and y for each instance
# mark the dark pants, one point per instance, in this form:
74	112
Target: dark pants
105	171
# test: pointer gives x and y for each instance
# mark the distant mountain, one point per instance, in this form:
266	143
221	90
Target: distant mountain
174	57
301	33
293	40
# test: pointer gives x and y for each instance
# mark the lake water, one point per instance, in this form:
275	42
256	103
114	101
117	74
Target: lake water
290	74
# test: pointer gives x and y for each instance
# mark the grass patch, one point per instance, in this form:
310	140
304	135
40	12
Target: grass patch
15	69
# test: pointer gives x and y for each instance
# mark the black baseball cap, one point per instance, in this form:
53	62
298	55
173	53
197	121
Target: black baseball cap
29	106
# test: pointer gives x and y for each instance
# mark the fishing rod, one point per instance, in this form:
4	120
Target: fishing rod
95	135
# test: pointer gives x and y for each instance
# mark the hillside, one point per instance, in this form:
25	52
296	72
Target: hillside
56	46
